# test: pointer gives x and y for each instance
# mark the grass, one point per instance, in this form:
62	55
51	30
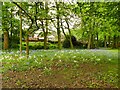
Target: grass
72	68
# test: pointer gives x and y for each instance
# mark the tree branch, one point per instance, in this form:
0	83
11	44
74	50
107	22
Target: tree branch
22	10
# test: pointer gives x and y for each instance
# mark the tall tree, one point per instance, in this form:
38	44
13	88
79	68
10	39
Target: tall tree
21	31
46	25
58	25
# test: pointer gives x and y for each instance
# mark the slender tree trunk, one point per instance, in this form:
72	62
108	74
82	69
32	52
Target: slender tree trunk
90	26
11	33
58	27
27	44
105	41
92	41
45	36
109	40
115	42
27	40
45	40
97	44
89	40
63	29
70	39
118	39
46	33
20	32
6	40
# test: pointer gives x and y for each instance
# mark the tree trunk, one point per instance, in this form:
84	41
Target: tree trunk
45	40
109	41
46	32
89	41
118	42
20	33
63	29
11	33
92	41
27	45
115	42
97	44
58	27
6	40
70	39
105	41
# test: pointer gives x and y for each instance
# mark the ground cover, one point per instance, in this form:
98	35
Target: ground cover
66	68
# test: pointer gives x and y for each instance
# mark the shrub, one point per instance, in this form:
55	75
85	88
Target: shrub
52	46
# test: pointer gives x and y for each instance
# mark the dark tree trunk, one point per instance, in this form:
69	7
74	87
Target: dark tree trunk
89	40
97	41
6	40
115	41
63	29
105	41
109	41
70	39
46	32
92	41
58	26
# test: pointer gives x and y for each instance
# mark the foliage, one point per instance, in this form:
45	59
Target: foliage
93	20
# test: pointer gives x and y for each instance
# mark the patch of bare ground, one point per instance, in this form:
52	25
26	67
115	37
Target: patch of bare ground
60	77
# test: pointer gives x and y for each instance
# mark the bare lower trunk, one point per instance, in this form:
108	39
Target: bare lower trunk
46	25
97	45
109	40
20	35
89	41
58	26
6	40
92	41
70	39
105	42
27	45
115	41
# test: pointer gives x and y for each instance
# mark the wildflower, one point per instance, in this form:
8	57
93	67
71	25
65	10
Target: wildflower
109	59
34	56
75	61
59	60
55	54
98	59
74	56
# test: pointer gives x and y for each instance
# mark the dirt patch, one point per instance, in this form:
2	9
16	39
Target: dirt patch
59	77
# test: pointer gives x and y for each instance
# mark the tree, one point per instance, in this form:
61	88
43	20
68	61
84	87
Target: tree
58	25
20	32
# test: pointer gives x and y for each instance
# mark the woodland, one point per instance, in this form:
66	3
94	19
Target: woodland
64	44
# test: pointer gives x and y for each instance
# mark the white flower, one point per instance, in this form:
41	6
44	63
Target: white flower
59	60
55	54
98	59
34	56
74	56
109	59
75	61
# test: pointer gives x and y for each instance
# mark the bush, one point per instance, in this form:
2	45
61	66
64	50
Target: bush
14	41
52	46
37	45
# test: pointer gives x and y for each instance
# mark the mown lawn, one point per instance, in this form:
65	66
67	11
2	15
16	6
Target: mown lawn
93	68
